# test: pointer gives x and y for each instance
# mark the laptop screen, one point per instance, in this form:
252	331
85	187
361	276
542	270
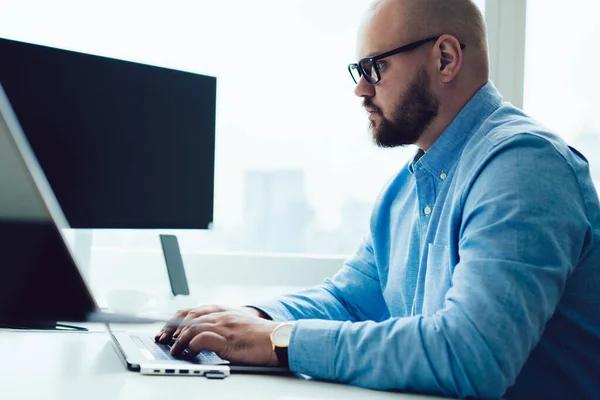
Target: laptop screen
39	280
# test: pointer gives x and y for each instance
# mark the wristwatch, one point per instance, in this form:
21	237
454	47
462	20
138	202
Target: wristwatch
280	339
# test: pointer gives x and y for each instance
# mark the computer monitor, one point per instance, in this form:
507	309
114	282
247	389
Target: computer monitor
123	144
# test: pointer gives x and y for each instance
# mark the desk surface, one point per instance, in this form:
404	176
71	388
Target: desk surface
76	365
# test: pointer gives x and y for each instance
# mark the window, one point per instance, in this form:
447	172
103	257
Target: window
561	90
296	170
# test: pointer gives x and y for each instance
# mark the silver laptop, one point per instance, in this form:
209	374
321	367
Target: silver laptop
41	280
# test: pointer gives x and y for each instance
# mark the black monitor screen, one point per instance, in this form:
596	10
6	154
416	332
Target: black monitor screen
123	144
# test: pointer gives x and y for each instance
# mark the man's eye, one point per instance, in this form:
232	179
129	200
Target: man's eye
380	65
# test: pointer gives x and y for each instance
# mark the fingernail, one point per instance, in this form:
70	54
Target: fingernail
162	337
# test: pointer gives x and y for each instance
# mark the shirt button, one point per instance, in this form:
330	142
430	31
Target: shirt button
427	210
443	176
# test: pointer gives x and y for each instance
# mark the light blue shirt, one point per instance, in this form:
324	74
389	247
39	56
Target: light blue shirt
480	275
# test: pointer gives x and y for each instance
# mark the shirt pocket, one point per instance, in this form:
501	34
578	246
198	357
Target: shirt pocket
437	278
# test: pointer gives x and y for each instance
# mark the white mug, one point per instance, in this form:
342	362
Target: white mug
129	301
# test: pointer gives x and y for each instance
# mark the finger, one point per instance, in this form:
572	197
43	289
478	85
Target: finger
188	334
167	331
198	318
184	339
185	322
199	312
210	341
211	318
182	318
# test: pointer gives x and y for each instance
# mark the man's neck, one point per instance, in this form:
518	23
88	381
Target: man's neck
433	132
449	109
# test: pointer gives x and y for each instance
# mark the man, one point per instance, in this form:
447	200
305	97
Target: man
480	275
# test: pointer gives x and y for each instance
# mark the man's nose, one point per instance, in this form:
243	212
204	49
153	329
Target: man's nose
364	88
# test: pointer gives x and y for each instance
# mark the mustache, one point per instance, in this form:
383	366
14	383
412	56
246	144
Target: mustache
368	104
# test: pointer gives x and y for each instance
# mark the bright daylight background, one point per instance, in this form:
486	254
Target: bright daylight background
561	82
296	171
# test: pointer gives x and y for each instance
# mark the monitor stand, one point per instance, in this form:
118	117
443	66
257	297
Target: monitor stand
175	268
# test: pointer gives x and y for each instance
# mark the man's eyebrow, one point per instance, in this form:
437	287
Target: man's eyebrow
373	54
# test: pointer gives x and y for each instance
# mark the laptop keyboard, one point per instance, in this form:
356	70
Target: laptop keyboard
163	352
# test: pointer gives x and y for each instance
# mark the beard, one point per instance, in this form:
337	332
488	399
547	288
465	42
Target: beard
416	109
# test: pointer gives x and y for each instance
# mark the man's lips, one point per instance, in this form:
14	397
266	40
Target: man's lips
373	113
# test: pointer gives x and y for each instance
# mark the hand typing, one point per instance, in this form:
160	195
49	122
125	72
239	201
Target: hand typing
235	334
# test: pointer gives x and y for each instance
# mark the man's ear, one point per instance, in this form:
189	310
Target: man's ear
449	57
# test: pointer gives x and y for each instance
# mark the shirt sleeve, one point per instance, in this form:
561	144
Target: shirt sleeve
340	298
523	229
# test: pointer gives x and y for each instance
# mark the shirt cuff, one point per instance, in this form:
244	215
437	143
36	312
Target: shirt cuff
312	349
275	309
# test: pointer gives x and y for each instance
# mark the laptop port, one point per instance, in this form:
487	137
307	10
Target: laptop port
214	375
157	371
169	371
184	371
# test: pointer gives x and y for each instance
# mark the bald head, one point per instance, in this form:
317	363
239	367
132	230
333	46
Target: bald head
459	18
411	20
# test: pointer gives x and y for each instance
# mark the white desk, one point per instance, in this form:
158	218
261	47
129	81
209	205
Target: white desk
80	365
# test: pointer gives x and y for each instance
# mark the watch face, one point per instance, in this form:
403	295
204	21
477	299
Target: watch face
282	334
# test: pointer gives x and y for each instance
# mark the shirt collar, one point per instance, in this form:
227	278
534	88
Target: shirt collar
444	152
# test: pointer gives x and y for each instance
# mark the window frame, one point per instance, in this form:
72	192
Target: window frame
506	22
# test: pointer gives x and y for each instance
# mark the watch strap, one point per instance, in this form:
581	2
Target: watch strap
282	356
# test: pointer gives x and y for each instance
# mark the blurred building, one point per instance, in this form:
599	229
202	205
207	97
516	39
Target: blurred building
277	214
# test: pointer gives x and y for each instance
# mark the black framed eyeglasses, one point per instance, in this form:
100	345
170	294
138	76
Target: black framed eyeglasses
369	66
